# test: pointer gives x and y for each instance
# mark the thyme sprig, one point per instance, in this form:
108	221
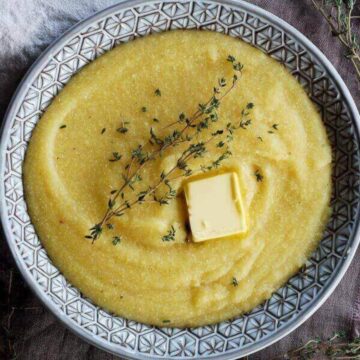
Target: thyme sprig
339	14
185	132
339	346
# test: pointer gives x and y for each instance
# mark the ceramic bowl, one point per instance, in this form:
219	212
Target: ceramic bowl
289	306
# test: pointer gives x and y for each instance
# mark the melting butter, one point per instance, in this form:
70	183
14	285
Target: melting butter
215	207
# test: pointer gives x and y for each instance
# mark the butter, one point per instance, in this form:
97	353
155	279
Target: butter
215	207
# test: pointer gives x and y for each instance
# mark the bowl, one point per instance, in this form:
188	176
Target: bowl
289	306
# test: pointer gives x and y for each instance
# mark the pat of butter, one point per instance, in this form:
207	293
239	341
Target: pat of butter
215	207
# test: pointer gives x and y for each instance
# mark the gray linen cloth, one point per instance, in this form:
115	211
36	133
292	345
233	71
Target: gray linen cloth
26	28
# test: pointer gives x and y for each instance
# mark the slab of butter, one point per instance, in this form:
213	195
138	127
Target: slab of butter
215	207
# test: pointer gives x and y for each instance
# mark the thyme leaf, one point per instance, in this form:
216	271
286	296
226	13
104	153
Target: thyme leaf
170	235
116	240
123	129
258	176
116	157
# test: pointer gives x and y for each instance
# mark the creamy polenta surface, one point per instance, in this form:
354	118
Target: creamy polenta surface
282	160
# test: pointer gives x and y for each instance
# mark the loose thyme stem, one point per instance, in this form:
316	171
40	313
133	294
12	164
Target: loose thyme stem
341	26
339	346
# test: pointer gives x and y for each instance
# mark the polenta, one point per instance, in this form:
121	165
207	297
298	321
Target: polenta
283	162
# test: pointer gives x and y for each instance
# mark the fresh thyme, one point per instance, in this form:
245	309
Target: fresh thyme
258	176
123	129
170	236
181	133
157	92
234	282
144	109
340	17
116	157
156	120
62	127
103	130
339	346
275	126
116	240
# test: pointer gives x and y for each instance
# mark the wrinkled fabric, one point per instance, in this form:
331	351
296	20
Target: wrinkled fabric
27	27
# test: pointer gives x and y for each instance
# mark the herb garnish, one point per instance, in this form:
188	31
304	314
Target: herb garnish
341	19
166	321
116	157
339	346
258	176
123	129
234	282
184	133
62	127
156	120
275	127
103	130
144	109
116	240
170	236
157	92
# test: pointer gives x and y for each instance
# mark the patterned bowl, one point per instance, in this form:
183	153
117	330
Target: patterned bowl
289	306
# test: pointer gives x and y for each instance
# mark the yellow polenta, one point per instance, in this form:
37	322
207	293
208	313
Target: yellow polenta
68	177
